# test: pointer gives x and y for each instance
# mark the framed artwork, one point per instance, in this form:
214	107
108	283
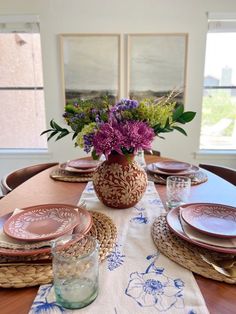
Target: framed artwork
156	65
90	66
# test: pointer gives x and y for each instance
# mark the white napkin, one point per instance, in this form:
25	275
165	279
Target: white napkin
204	238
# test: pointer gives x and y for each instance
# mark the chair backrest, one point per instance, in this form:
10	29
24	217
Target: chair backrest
10	181
226	173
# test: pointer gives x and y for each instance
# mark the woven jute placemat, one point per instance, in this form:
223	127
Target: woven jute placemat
66	176
186	254
28	273
196	178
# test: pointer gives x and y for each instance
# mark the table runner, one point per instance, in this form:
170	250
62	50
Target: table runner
135	277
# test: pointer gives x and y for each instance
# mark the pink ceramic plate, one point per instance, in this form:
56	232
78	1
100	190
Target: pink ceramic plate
175	225
154	169
42	222
172	166
83	163
84	225
65	166
213	219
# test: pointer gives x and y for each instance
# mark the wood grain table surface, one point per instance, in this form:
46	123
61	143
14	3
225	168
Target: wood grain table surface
41	189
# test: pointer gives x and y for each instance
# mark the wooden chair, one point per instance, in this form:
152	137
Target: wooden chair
226	173
10	181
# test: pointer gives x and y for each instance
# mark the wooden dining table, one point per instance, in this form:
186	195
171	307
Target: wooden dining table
220	297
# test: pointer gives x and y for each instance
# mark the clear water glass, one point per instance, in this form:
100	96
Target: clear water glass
140	159
178	190
75	270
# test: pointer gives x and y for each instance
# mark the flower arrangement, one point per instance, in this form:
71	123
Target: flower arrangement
124	127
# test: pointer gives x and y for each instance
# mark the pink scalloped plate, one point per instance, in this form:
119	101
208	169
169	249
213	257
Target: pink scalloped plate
174	223
172	166
212	219
154	169
83	163
45	222
65	166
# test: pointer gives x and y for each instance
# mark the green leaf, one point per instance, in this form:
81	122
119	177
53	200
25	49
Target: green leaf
188	116
51	124
62	134
178	112
46	131
74	135
94	155
179	129
56	126
52	134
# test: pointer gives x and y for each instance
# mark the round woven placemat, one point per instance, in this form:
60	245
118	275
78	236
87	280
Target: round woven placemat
196	178
63	175
28	273
186	254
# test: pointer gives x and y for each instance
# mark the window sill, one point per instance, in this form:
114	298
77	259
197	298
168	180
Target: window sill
215	154
25	153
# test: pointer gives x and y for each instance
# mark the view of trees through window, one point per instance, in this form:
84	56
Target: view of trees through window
218	129
22	113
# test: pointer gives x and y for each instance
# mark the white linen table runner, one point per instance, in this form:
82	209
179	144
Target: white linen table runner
135	278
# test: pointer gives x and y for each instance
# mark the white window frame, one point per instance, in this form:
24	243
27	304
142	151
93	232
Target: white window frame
21	152
218	22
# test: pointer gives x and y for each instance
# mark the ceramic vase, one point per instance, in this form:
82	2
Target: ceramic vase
120	181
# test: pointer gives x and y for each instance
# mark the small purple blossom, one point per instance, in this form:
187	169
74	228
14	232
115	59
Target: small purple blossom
127	104
122	105
88	142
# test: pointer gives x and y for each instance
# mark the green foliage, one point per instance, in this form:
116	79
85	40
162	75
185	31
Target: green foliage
217	105
83	116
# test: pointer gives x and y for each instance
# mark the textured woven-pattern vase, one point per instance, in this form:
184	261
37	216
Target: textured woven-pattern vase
120	182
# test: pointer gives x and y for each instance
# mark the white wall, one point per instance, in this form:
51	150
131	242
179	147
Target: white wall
123	16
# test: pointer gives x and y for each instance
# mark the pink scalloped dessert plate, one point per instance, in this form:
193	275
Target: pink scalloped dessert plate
212	219
172	166
83	164
174	223
43	222
154	169
64	166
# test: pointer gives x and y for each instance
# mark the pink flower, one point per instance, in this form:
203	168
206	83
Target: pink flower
138	135
108	138
125	136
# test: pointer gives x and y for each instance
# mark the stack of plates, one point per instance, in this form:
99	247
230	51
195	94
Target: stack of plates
80	166
168	168
212	226
30	231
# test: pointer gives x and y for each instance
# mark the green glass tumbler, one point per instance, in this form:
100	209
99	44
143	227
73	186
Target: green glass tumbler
75	270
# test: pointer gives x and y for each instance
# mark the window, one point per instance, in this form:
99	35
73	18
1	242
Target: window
218	129
22	113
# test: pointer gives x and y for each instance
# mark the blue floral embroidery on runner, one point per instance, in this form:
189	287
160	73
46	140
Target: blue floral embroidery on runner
140	219
155	201
90	189
153	288
115	259
192	312
139	209
44	306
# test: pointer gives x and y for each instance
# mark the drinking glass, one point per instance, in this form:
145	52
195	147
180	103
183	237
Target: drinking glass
178	190
139	158
75	270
